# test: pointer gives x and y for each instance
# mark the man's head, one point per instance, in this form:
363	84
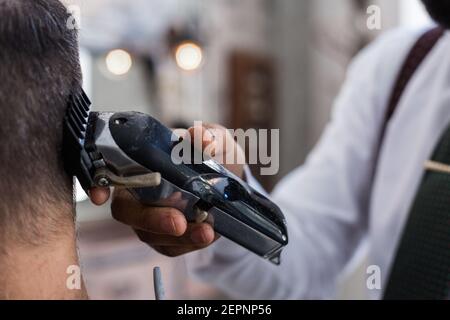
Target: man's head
39	67
439	10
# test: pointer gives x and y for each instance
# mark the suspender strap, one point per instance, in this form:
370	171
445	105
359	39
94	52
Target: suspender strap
416	56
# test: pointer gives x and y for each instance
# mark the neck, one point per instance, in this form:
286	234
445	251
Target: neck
47	271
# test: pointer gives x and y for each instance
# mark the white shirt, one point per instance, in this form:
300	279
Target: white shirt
328	204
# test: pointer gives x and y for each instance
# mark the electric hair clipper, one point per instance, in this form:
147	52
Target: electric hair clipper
133	150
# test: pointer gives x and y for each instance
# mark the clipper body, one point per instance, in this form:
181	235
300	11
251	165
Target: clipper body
134	151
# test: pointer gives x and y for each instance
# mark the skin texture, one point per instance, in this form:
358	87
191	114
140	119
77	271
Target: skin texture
166	229
39	272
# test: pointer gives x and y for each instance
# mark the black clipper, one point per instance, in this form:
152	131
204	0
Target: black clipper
133	150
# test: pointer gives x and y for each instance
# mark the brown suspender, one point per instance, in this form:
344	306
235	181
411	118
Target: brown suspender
416	56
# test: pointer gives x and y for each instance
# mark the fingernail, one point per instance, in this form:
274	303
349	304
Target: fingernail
199	237
168	225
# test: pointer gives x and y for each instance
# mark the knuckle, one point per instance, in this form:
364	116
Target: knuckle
164	213
171	212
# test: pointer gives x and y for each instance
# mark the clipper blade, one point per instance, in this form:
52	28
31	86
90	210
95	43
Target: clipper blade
76	160
77	115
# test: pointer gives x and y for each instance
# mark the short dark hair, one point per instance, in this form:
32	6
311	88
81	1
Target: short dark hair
39	68
439	10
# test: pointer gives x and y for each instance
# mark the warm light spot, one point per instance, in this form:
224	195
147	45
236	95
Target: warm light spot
119	62
189	56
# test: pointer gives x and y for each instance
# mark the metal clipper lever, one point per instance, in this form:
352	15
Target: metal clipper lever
105	178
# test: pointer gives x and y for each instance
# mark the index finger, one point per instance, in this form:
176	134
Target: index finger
126	209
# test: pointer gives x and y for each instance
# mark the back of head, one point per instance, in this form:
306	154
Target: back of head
39	68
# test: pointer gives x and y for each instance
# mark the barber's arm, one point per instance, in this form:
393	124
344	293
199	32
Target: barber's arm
325	201
324	204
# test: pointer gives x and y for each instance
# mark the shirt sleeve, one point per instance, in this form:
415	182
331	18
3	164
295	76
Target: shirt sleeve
325	201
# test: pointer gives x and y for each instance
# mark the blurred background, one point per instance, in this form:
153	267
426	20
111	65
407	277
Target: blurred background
244	64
